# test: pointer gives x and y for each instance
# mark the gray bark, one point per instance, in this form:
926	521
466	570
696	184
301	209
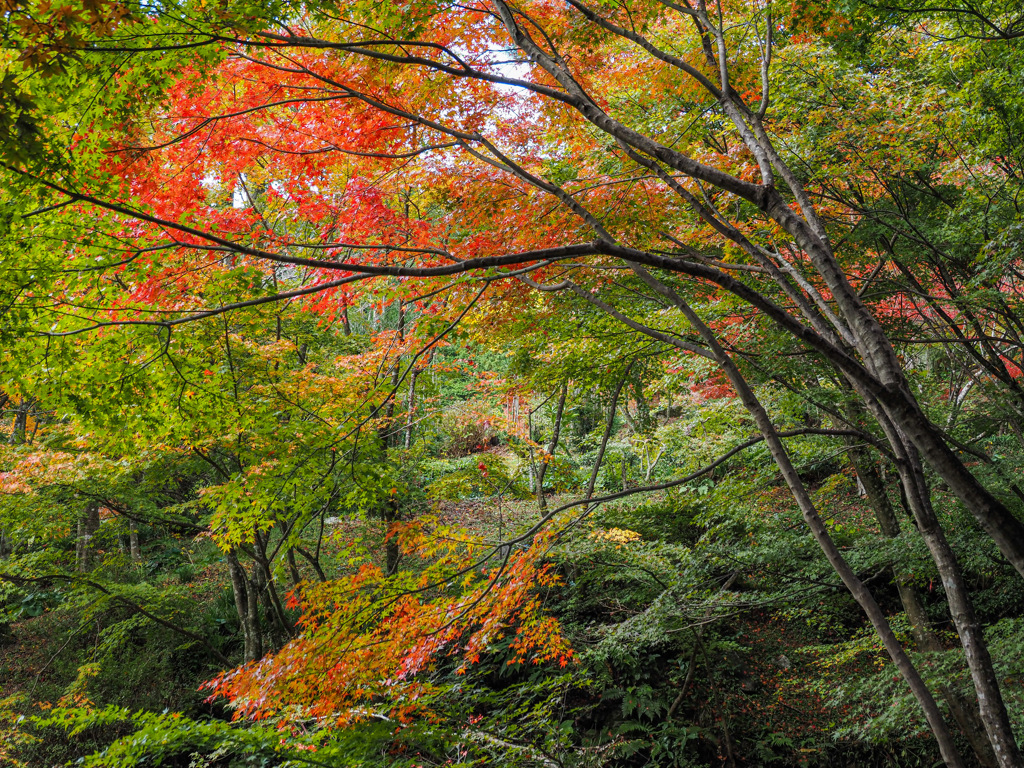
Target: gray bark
134	548
246	607
550	448
88	525
917	497
857	589
964	712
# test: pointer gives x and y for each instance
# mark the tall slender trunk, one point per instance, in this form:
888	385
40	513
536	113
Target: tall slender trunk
246	607
930	445
549	449
263	579
134	548
918	500
961	608
19	432
410	407
391	515
857	589
895	396
608	428
293	567
396	377
88	526
390	510
964	712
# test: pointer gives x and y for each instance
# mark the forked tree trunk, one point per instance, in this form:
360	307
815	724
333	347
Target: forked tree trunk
888	397
246	607
917	497
858	590
928	443
992	709
890	391
860	593
963	711
263	580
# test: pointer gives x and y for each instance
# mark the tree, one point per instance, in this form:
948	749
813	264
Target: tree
579	149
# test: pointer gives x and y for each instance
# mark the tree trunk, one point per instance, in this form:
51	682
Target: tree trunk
263	580
608	428
986	684
293	568
897	400
918	500
278	634
856	587
549	449
963	711
993	711
19	432
246	607
88	525
411	408
134	549
392	552
860	592
993	516
314	561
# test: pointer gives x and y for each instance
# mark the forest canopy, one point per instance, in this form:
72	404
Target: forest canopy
540	383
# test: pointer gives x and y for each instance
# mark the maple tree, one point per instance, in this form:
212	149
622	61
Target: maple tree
197	196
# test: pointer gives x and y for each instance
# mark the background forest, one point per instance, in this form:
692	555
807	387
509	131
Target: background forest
542	383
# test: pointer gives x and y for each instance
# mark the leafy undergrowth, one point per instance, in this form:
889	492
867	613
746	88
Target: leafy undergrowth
695	625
